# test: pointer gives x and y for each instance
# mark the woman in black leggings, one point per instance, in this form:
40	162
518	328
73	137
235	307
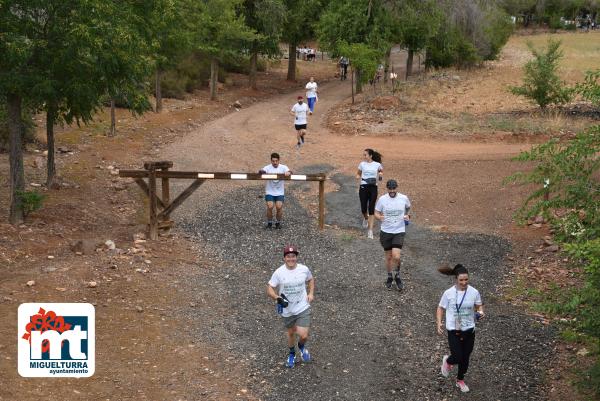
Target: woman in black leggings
369	172
462	307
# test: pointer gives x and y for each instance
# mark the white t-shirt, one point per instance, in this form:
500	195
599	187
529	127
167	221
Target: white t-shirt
275	187
311	89
393	210
455	312
300	110
368	170
292	283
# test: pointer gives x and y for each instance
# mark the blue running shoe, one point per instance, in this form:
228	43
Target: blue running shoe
291	359
305	355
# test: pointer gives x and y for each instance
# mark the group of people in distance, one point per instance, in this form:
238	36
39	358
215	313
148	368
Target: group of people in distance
306	53
292	285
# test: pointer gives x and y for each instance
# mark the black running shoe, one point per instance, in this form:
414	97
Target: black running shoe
398	281
388	283
269	225
277	225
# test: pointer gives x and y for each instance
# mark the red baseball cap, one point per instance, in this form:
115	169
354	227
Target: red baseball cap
300	97
290	249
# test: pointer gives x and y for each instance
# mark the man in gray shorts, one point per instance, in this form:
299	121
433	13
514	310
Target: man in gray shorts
392	210
288	287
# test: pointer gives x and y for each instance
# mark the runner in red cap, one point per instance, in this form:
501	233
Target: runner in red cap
288	287
300	111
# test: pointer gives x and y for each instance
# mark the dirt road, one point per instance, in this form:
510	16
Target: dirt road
368	343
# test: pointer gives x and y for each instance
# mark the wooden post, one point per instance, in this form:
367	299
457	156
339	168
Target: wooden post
321	203
165	188
153	228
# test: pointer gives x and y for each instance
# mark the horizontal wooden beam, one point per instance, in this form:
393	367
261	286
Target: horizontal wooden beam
222	175
158	165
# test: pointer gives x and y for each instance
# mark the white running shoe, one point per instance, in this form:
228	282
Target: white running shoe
370	234
445	368
462	386
365	223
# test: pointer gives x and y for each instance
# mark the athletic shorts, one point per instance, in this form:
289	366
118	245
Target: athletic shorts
302	319
368	197
389	241
274	198
299	126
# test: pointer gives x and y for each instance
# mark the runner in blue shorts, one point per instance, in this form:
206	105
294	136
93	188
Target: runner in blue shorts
274	190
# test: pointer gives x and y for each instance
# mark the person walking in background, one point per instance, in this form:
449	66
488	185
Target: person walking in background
344	62
369	172
274	190
312	94
392	210
288	287
462	307
300	111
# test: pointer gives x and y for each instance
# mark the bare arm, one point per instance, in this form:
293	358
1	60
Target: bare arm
378	215
311	290
438	317
479	309
271	293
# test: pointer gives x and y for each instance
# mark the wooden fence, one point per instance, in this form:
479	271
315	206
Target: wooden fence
161	207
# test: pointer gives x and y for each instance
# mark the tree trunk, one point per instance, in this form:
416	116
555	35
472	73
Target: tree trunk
214	73
113	119
358	81
17	179
158	91
51	167
252	76
291	75
409	63
386	65
352	83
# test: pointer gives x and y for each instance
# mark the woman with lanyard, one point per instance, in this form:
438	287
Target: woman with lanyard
462	306
368	172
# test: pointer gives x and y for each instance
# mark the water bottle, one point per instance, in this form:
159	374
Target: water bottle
279	309
477	316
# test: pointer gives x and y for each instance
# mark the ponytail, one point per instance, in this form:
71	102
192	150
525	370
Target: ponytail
452	271
375	155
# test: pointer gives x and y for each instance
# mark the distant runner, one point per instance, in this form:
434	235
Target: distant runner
312	94
274	190
299	111
370	171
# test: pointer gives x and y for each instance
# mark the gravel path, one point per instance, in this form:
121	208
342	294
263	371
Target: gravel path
367	343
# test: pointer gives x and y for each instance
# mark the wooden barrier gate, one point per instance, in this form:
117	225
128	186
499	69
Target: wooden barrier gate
161	219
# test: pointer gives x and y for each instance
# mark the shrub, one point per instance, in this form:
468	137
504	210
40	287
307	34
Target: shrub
590	88
31	201
573	187
541	82
449	47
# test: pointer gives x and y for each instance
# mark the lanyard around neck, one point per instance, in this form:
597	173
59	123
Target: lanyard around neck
458	306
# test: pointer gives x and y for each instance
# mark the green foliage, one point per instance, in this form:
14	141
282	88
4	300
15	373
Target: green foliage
541	82
418	21
571	172
590	88
364	58
497	30
449	47
573	186
31	201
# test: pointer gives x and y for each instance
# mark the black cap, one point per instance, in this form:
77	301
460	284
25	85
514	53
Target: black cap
391	184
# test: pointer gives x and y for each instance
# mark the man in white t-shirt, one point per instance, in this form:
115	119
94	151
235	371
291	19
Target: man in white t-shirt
311	94
392	210
274	190
300	111
288	287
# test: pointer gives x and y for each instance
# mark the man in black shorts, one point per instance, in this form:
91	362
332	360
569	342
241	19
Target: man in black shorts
300	111
392	210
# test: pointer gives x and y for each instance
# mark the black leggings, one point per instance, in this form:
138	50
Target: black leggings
461	345
368	197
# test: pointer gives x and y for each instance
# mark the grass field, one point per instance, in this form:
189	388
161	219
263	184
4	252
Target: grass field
581	50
